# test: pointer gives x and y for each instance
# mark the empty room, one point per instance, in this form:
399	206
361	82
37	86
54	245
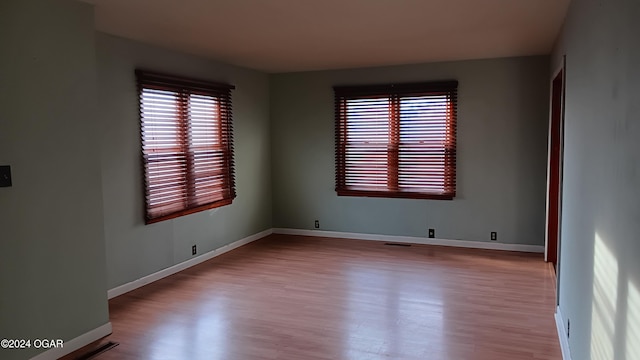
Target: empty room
339	179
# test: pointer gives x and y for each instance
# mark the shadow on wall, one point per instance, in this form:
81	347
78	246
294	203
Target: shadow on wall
615	312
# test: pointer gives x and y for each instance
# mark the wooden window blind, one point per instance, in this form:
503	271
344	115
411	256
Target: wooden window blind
187	145
396	140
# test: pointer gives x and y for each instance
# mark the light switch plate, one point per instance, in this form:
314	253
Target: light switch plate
5	175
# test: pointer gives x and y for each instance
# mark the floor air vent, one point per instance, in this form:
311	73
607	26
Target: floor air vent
397	244
106	347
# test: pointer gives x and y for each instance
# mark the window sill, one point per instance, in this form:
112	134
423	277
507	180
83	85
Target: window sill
395	194
189	211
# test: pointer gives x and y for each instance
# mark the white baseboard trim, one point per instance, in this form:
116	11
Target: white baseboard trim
119	290
75	343
413	240
562	335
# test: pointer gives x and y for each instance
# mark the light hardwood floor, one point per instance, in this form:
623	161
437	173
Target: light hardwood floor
293	297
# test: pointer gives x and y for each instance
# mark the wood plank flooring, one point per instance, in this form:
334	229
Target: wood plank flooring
293	297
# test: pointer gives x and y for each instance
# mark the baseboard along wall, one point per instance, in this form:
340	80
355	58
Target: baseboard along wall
413	240
562	335
119	290
75	343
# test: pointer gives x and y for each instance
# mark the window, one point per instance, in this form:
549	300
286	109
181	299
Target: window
187	145
396	140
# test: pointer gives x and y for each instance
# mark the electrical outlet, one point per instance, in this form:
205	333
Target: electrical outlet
432	233
5	176
194	250
317	224
494	236
568	328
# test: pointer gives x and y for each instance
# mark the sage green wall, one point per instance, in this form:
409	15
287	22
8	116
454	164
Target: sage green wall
52	256
600	245
502	132
134	249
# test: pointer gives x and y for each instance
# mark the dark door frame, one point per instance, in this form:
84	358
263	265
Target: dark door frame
555	167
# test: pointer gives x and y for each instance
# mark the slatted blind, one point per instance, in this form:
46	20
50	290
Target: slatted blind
396	140
187	145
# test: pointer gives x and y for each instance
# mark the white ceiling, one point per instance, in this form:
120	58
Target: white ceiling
299	35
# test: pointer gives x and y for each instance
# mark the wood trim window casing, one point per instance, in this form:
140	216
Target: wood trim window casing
186	132
396	140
